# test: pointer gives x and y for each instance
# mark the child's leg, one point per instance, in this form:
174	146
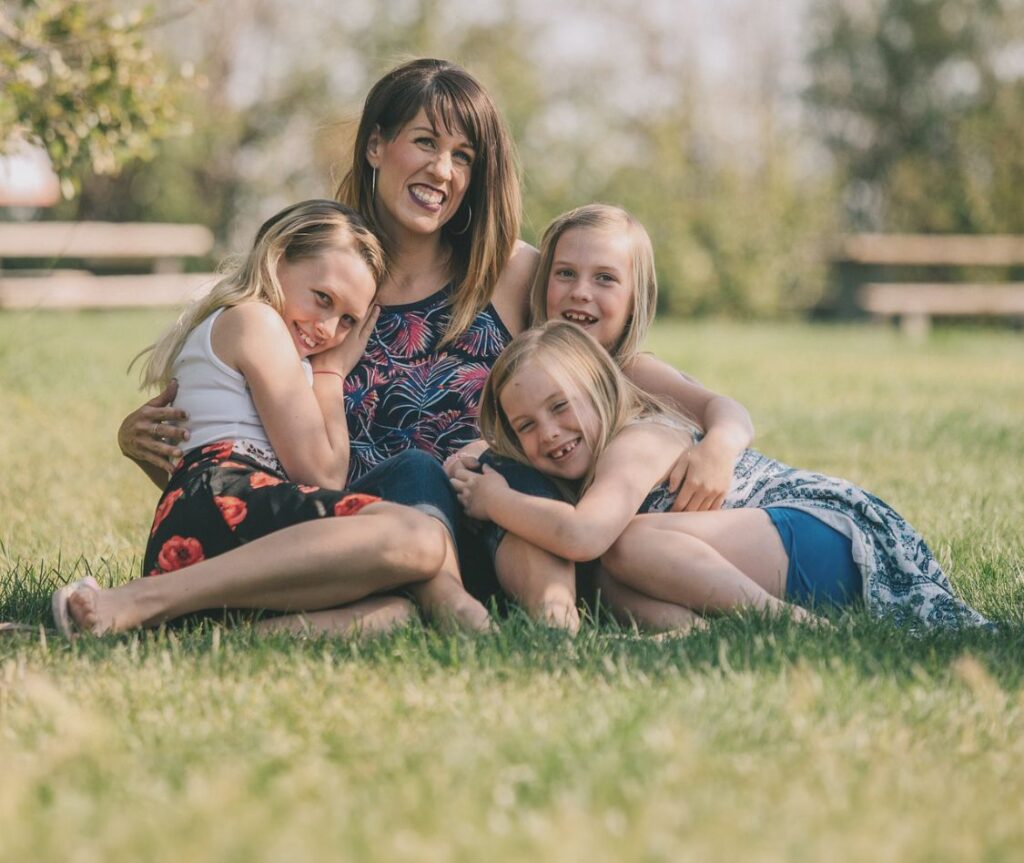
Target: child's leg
372	616
543	584
309	566
706	561
632	607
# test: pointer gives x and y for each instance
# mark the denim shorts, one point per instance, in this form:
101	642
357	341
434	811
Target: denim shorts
415	479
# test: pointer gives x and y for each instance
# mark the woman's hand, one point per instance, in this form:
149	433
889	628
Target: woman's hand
150	435
345	356
468	456
477	492
703	476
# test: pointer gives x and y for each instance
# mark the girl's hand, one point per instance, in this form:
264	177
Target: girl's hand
478	492
467	456
345	356
703	476
150	434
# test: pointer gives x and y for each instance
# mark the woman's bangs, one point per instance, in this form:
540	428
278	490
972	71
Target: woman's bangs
454	110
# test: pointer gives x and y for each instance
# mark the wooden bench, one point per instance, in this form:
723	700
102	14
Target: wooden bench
915	303
158	248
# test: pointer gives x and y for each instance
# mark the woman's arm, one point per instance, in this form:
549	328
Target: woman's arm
703	474
635	461
306	428
149	435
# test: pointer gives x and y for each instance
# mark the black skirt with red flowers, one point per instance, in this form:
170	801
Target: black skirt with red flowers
220	498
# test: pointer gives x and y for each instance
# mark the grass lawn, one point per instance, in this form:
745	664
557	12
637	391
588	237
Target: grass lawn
754	740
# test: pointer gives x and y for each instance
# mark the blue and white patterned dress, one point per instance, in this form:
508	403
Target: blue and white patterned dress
902	579
408	392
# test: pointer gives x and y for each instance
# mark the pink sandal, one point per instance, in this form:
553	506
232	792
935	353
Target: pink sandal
66	626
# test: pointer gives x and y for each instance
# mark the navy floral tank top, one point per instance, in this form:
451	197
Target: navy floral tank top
408	392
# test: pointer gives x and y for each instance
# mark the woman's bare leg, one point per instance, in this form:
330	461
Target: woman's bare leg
632	607
310	566
368	617
445	601
706	561
543	584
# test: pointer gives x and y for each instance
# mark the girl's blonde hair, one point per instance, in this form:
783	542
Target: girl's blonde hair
644	298
483	232
584	370
300	231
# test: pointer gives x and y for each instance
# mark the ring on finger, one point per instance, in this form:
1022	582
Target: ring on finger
156	430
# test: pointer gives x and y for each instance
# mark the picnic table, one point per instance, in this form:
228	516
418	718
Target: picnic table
159	249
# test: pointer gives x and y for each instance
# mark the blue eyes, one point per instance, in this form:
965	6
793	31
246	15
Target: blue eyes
458	155
570	274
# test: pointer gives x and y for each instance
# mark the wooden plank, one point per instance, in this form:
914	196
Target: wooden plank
894	298
78	290
103	240
993	250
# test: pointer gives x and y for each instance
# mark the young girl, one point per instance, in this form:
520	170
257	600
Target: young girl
251	517
557	401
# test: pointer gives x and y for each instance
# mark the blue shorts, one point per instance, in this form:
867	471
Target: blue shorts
414	479
821	568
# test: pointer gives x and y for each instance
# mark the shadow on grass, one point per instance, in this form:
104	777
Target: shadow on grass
734	645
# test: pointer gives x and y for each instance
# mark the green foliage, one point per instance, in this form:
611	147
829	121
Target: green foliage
77	78
922	104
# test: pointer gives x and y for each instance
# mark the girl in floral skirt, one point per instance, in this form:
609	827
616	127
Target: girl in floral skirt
254	515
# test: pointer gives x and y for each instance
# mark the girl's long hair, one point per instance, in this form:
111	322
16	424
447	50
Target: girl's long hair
584	370
644	299
453	100
302	230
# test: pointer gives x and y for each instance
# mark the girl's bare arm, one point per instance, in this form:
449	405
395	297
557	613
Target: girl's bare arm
635	461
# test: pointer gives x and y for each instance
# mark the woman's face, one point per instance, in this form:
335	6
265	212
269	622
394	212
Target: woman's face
553	427
591	282
422	175
325	297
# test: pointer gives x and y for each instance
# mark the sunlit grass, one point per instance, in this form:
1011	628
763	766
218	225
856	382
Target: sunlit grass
755	740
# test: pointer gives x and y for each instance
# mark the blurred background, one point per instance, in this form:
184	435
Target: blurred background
747	136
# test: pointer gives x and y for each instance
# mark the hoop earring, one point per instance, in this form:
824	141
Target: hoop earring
373	185
468	221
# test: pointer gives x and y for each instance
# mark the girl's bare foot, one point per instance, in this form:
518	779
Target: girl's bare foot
91	609
560	615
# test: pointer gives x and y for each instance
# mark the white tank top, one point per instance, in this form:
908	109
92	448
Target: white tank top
215	395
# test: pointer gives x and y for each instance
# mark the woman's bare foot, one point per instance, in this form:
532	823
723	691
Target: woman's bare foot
464	614
363	619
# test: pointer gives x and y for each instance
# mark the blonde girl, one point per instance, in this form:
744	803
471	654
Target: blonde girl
252	516
557	401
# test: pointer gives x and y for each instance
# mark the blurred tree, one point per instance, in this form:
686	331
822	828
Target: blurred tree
921	103
77	78
605	103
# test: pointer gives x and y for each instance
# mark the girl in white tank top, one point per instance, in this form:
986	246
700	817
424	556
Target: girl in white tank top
249	516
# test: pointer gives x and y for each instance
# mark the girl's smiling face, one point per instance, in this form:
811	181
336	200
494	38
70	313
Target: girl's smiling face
325	297
591	283
553	426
